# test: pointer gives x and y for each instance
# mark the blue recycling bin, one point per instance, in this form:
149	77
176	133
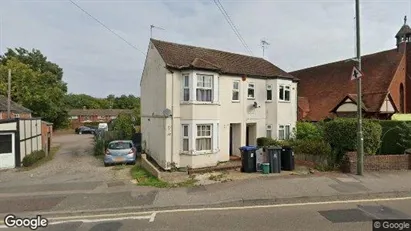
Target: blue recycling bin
248	159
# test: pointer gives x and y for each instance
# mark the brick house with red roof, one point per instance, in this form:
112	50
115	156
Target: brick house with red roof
326	91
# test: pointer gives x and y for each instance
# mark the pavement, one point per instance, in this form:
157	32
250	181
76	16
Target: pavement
100	195
76	190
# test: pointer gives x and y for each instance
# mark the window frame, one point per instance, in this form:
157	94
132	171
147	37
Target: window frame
185	137
253	88
283	128
269	87
198	137
204	88
269	130
184	87
282	96
234	90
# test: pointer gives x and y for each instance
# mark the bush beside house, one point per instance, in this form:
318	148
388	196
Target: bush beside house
121	129
33	158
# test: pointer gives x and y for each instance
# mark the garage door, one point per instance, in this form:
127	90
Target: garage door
7	159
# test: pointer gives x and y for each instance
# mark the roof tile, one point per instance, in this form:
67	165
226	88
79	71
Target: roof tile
181	56
326	85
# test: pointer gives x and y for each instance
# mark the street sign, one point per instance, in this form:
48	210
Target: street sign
356	74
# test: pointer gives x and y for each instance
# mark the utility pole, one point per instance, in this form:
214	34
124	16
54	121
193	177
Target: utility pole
360	142
9	96
151	30
264	43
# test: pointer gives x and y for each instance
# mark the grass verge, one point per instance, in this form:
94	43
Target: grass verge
42	161
144	178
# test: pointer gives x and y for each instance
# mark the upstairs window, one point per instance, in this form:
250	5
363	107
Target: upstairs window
204	88
269	93
250	91
236	91
186	87
284	93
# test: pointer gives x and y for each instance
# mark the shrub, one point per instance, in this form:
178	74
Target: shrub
341	134
33	157
393	139
265	141
312	147
124	125
309	131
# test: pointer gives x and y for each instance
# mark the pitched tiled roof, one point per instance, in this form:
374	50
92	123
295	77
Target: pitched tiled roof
405	29
181	56
14	107
99	112
303	104
326	85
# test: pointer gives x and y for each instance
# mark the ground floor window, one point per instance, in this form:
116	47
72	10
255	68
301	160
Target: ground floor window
284	132
199	136
269	131
204	137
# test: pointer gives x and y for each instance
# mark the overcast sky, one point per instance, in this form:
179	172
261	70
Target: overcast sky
302	33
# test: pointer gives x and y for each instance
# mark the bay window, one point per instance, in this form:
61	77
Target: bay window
204	137
269	93
284	93
186	88
204	89
186	139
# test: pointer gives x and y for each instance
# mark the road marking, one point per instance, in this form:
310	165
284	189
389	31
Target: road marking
150	215
153	215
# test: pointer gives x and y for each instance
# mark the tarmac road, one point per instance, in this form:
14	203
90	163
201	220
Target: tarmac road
321	216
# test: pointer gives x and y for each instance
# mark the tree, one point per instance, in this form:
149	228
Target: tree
124	125
36	84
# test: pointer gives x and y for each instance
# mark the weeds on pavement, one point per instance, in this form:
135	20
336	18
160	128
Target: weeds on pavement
144	178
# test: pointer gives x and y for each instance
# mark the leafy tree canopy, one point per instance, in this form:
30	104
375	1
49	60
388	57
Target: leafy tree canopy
36	84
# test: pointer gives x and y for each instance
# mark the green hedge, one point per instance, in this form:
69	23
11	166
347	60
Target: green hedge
309	131
311	147
341	134
391	135
33	157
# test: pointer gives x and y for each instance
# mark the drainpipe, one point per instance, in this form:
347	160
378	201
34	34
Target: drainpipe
172	117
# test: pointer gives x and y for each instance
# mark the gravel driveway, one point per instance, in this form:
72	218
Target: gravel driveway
73	162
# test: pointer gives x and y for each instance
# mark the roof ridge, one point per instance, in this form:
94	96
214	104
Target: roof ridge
340	61
213	49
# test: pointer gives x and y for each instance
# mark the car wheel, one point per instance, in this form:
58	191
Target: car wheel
133	162
105	164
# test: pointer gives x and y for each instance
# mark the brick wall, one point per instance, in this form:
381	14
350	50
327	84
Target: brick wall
3	115
377	162
399	78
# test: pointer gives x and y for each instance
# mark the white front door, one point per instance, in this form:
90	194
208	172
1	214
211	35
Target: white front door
7	151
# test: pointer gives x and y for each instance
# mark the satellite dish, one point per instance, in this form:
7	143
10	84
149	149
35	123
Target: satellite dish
167	112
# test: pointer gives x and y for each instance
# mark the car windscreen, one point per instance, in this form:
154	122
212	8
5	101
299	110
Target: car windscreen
120	145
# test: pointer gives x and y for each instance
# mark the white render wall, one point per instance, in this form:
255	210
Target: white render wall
153	102
223	112
162	137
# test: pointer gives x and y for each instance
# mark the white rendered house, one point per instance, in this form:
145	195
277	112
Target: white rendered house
199	105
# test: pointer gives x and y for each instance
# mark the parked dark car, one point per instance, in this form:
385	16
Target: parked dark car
84	130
